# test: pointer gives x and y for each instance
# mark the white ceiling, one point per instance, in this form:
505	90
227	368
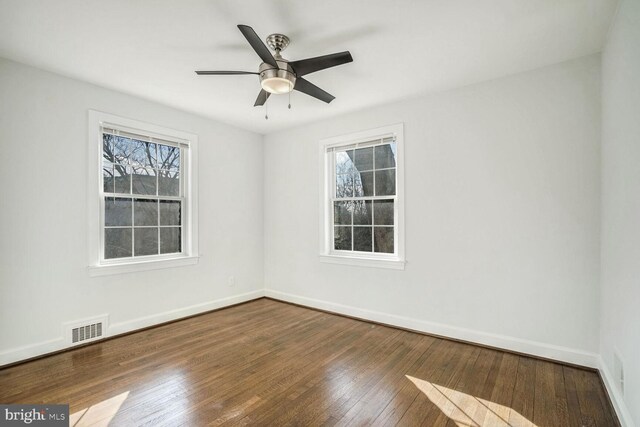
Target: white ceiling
401	48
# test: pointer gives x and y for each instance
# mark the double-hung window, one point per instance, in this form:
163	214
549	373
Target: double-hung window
145	198
362	198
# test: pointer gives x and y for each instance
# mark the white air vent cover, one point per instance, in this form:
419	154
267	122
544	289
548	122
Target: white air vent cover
86	330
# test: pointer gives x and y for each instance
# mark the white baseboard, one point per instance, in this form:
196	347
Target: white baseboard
549	351
616	396
167	316
17	354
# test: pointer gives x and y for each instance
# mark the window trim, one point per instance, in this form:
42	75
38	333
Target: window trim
364	259
95	203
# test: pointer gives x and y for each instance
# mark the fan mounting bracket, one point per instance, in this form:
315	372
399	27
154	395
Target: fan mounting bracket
277	42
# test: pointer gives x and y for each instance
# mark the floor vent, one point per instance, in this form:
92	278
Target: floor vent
86	330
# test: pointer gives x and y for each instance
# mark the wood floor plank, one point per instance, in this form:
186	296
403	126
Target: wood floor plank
550	407
522	403
271	363
560	392
503	390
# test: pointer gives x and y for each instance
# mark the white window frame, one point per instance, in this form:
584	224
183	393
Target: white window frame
98	266
327	184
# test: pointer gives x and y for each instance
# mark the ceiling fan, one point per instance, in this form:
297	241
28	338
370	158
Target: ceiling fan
280	76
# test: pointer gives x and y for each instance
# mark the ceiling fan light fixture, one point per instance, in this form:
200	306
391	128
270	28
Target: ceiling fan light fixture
277	85
277	80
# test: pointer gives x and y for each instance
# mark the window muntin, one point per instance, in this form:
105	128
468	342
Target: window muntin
143	196
364	197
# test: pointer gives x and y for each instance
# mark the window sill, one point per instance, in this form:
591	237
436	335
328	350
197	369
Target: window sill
395	264
131	267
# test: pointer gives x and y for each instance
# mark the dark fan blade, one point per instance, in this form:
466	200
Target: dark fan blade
311	65
223	73
261	49
310	89
262	98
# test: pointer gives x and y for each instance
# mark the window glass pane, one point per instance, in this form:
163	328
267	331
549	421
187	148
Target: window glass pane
383	239
107	148
341	213
344	162
170	212
145	212
143	154
386	182
362	239
144	181
170	240
107	178
363	184
146	241
168	183
344	185
122	178
383	212
117	211
386	156
117	243
342	238
136	223
363	159
362	212
168	157
122	149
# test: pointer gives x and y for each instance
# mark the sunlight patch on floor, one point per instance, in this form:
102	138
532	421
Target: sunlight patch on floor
99	414
470	411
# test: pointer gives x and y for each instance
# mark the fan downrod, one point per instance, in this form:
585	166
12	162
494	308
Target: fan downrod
277	42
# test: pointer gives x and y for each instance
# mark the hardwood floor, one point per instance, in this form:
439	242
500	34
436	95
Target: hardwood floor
271	363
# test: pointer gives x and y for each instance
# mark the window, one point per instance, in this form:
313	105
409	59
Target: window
362	198
145	210
143	196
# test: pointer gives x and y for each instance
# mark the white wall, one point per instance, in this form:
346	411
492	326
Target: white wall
502	215
43	224
620	329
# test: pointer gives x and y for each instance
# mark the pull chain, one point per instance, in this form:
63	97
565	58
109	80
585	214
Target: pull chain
266	110
290	99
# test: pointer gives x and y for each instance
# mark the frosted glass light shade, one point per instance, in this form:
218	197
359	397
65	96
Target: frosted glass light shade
277	85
